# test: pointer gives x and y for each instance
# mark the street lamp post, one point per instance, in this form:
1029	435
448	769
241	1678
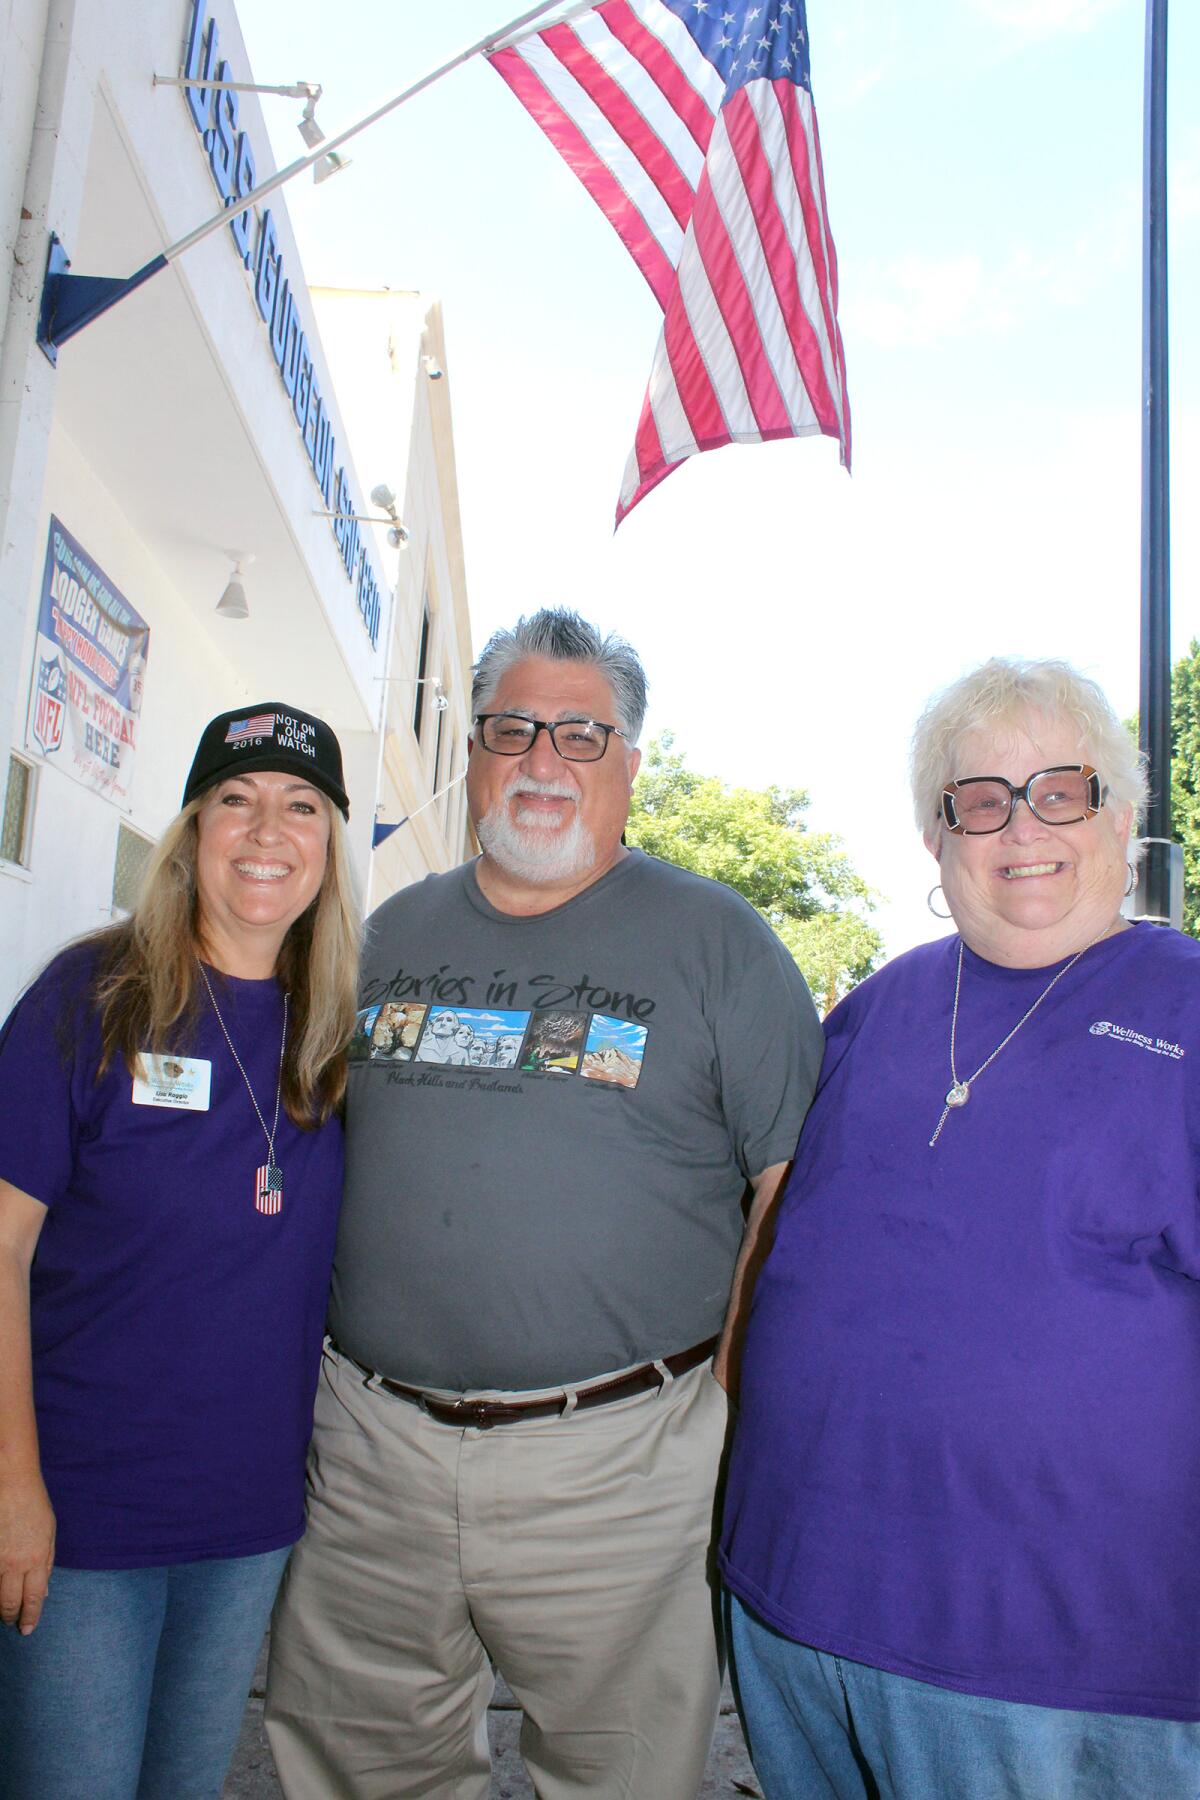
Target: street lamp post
1160	892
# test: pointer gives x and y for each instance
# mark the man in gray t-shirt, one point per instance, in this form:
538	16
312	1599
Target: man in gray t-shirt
572	1063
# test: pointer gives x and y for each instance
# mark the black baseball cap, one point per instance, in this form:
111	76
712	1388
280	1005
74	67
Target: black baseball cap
268	735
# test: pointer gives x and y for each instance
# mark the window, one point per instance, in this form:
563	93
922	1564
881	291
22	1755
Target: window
133	853
422	672
18	812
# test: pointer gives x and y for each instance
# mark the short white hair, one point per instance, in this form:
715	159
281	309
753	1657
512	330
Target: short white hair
1011	694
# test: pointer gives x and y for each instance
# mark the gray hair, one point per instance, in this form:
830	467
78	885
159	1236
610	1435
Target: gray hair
1010	694
563	636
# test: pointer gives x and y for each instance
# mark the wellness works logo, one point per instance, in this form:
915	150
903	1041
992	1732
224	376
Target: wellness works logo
1123	1035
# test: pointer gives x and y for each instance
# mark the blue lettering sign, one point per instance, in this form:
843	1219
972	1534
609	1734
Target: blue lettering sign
266	273
281	318
223	154
326	455
303	395
312	417
233	166
243	183
197	66
349	537
293	343
341	506
368	597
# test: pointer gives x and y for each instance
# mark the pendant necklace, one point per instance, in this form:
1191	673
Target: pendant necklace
268	1180
959	1092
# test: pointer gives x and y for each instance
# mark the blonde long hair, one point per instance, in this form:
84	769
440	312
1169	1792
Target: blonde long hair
148	979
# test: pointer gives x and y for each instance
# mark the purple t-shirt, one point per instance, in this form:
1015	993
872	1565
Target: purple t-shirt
176	1328
969	1443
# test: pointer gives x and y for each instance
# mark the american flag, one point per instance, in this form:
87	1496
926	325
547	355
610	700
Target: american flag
691	124
268	1189
261	725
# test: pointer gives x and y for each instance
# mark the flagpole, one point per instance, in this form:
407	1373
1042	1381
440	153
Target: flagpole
71	302
380	833
1160	892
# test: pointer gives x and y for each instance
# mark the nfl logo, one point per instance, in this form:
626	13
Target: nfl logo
49	709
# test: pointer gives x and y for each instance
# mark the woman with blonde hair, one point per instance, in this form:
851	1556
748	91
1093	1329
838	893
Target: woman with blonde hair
962	1528
170	1174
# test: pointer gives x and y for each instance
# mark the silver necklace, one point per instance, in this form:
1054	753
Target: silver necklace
959	1092
268	1180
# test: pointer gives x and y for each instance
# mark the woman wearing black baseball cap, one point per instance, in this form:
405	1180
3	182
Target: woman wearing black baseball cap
170	1172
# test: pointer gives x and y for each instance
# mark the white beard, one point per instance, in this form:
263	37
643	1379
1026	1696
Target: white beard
529	848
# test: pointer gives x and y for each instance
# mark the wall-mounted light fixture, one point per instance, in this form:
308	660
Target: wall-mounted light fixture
383	496
332	164
398	533
233	603
308	128
441	699
308	91
433	368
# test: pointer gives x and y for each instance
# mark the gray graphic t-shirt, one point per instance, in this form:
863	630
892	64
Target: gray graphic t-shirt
551	1122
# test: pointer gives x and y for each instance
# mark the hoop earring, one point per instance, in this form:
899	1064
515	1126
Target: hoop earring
1131	884
936	889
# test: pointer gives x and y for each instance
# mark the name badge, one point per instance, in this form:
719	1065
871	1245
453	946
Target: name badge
178	1081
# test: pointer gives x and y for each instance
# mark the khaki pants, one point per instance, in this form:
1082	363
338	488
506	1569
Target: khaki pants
576	1552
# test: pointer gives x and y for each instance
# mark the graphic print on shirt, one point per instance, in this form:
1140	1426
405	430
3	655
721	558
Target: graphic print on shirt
614	1051
598	1047
1124	1034
386	1033
554	1044
472	1037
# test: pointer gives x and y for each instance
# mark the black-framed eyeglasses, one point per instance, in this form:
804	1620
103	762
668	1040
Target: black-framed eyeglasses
576	740
1061	796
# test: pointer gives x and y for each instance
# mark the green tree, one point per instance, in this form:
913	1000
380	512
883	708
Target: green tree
1185	778
756	840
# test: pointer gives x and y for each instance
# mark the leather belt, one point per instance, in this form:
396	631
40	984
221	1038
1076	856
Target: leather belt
485	1413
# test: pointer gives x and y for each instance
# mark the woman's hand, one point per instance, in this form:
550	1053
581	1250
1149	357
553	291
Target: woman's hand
26	1515
26	1551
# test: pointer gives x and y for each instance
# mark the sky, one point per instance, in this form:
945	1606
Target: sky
983	175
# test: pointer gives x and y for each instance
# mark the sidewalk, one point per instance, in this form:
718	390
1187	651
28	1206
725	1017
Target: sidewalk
252	1776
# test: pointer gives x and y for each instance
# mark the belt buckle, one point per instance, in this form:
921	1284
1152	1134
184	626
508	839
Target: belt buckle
473	1412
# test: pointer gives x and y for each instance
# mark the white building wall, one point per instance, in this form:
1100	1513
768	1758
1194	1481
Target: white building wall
47	121
382	347
165	442
22	32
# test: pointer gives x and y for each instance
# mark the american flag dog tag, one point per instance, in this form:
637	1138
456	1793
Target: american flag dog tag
268	1188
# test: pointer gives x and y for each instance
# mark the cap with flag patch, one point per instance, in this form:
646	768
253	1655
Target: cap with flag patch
269	735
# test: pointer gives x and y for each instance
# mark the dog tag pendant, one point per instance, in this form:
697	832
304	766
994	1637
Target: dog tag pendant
268	1188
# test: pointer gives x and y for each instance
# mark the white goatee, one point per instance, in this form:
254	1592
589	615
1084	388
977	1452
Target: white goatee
530	847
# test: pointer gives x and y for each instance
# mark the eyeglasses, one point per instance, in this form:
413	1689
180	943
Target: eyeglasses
1061	796
576	740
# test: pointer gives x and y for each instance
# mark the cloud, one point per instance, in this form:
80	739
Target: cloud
1183	179
854	57
917	300
1031	21
914	300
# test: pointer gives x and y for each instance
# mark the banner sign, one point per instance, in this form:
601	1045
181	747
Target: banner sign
88	671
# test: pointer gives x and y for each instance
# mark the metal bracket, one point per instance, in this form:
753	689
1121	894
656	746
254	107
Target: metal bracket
69	302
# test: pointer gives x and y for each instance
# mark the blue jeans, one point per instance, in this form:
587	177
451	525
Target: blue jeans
820	1727
134	1684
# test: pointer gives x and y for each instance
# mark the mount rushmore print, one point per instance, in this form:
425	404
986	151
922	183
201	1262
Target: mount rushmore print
552	1042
